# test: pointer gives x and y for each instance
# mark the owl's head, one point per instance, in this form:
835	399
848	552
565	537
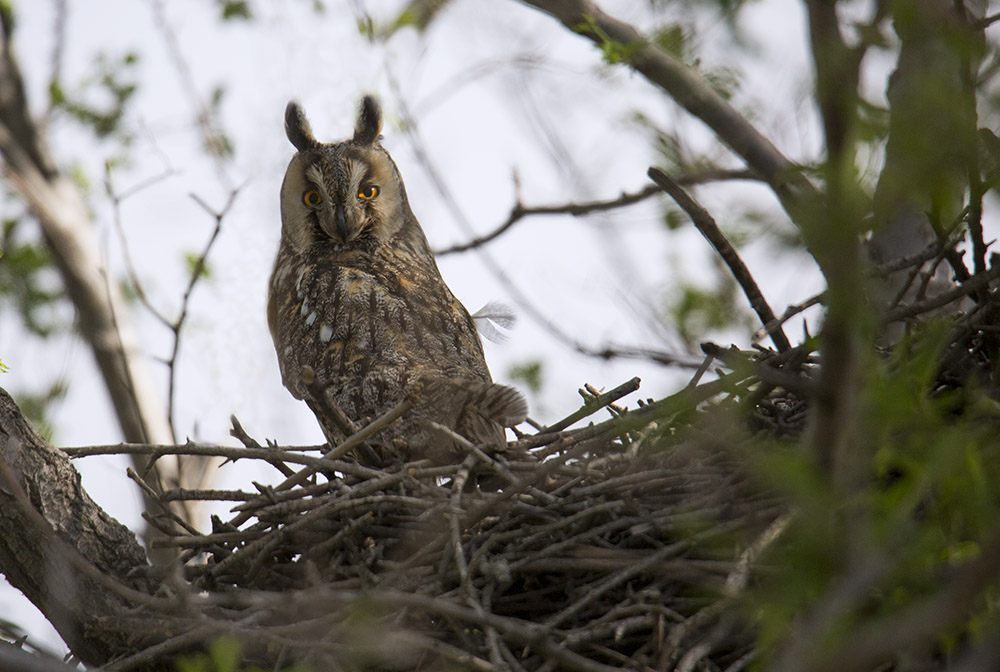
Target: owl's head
342	195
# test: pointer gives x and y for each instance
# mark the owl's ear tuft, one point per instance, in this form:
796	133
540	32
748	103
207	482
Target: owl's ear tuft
369	123
297	127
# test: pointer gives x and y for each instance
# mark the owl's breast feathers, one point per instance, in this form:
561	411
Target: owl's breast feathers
373	325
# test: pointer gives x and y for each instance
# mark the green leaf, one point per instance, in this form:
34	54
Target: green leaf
225	653
673	40
529	373
613	52
195	264
235	9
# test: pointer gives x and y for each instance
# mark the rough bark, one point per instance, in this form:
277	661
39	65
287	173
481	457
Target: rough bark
72	560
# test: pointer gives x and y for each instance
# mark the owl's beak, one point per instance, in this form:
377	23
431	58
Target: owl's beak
341	219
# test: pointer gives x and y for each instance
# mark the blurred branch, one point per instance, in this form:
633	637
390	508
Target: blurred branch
213	138
58	50
790	312
986	22
66	226
688	88
974	284
875	642
116	201
710	230
14	659
520	211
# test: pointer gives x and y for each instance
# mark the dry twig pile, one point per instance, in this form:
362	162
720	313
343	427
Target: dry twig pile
600	548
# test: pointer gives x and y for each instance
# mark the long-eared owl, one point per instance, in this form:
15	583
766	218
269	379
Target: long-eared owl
358	310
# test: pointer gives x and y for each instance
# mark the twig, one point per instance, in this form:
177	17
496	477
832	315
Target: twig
710	230
116	201
520	211
237	432
591	406
213	138
152	494
976	283
197	271
790	312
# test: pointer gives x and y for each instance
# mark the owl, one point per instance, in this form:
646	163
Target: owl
358	310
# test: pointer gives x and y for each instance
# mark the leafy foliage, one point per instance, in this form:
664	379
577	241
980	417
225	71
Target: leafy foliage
224	656
530	374
230	10
27	281
113	83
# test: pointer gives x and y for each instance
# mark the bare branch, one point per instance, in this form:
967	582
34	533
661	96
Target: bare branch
595	404
976	283
197	273
708	228
520	211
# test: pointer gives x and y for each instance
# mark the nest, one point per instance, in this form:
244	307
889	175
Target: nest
618	544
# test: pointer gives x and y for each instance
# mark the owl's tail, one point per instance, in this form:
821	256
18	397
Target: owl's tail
502	404
476	409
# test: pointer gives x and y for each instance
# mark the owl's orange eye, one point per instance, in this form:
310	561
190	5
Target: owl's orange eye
368	192
312	198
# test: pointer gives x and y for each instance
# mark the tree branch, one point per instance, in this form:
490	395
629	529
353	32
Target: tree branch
710	230
520	211
688	88
66	226
73	561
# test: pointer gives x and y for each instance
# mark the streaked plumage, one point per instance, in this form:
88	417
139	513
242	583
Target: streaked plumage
356	302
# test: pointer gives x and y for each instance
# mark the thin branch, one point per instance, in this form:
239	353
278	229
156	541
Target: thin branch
790	312
213	138
197	272
710	230
986	21
595	404
116	201
976	283
521	211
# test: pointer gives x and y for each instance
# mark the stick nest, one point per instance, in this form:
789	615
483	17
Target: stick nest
618	544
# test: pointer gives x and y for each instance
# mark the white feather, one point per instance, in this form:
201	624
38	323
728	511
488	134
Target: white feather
494	314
